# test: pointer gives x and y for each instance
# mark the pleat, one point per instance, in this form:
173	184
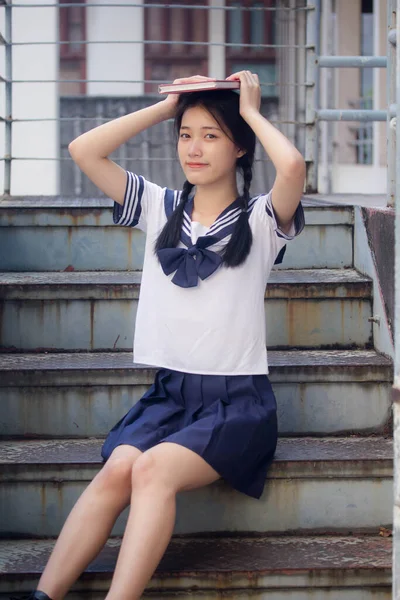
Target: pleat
192	397
230	421
159	412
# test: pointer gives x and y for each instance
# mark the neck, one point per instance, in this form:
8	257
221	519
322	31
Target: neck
213	199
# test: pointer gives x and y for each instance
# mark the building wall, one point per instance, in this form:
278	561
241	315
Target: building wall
115	61
126	62
33	100
216	28
348	34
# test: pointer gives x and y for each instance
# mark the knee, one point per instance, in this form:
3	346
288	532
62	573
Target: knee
116	473
147	472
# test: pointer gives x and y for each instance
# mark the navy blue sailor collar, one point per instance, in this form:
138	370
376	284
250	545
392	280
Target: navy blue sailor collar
196	260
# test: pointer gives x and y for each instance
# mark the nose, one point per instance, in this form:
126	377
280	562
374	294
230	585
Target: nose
194	148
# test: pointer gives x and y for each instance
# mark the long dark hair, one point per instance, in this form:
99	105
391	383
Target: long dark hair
223	105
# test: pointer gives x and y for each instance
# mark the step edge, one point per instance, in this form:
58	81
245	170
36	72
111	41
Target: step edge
375	359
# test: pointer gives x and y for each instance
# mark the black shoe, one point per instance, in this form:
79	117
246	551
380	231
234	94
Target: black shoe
36	595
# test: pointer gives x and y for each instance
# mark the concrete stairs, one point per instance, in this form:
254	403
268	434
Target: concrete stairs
69	283
245	568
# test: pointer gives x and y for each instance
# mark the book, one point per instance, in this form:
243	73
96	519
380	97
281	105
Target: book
180	88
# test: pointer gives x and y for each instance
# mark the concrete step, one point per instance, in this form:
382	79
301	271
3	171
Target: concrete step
85	394
244	568
51	234
314	485
96	310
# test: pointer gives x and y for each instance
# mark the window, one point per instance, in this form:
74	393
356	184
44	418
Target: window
166	62
252	26
72	21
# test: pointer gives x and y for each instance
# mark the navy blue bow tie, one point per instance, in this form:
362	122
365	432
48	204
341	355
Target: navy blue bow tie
191	263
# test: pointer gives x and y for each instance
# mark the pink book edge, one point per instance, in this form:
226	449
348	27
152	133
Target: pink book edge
212	86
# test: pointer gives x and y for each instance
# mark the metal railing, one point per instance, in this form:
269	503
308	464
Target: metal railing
364	134
392	118
394	187
316	114
299	114
293	91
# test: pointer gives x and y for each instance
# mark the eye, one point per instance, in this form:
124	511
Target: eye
212	135
182	135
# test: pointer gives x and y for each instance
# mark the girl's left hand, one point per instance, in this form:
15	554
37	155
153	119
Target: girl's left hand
250	91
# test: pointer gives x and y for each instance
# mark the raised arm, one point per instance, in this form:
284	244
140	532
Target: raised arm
90	150
288	162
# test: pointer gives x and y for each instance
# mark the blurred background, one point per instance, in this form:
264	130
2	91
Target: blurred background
78	64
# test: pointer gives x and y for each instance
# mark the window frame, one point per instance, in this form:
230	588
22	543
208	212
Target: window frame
243	54
163	54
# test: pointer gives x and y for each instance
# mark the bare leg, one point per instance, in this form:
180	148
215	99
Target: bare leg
157	476
89	523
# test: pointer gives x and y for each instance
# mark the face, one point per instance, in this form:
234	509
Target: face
206	153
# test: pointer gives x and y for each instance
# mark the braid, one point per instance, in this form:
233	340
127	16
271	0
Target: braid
238	247
170	234
247	177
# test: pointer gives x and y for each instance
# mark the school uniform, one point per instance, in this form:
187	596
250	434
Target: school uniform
203	325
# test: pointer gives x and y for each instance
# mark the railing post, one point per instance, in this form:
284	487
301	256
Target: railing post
8	98
391	99
312	92
396	383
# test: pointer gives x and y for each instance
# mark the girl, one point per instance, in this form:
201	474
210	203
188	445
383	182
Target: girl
211	412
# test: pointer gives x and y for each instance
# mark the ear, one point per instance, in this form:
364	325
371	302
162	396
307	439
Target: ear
240	153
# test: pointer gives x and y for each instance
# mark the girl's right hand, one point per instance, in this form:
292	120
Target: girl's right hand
172	99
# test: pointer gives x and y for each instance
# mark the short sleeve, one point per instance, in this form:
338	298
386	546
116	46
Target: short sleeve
275	238
297	223
141	198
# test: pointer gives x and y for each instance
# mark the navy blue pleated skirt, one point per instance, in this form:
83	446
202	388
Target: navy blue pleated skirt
230	421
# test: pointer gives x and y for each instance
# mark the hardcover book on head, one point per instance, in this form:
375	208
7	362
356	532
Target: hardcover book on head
180	88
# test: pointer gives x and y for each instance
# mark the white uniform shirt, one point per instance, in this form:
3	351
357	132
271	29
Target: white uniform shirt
217	327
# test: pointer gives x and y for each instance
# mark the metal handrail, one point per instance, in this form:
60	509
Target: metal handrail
395	174
316	114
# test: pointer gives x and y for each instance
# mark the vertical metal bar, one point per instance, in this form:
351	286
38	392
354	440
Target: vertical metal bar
396	383
291	30
312	92
300	78
326	41
282	65
391	99
8	99
374	149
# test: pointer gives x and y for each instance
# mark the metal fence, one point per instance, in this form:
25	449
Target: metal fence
283	59
394	188
152	152
288	59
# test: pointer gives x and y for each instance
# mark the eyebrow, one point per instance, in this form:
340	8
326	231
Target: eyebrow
217	128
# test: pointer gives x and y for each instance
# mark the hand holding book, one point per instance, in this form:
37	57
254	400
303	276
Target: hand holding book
186	82
250	91
245	81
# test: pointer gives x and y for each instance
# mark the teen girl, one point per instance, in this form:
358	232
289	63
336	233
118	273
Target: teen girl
211	412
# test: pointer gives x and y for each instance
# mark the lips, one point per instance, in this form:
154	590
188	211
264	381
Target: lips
196	165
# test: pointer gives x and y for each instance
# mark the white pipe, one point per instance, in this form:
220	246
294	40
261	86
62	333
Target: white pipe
326	37
376	85
216	28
